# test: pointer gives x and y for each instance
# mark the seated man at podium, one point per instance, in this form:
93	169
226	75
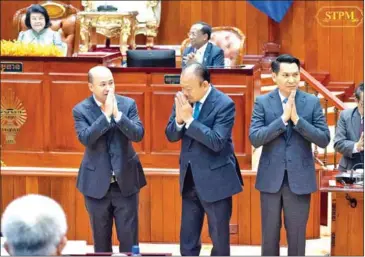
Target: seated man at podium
34	225
349	138
201	50
39	32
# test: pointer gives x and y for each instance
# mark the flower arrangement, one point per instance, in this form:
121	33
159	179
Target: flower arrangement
17	48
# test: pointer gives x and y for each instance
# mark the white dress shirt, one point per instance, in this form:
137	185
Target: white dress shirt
199	54
187	124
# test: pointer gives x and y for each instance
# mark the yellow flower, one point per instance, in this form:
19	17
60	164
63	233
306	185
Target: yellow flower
17	48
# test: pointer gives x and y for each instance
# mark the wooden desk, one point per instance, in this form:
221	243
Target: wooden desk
50	87
347	227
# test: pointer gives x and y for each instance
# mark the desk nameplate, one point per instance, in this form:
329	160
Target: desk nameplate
11	67
172	78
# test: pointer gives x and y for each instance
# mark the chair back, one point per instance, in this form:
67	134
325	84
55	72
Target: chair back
230	39
63	20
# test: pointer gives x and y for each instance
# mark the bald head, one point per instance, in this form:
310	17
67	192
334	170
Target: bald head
94	71
100	82
194	82
197	69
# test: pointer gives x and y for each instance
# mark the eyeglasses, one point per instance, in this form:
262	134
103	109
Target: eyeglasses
192	34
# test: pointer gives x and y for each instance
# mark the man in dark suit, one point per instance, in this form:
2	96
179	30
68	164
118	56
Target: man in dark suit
209	171
201	50
110	174
349	138
286	122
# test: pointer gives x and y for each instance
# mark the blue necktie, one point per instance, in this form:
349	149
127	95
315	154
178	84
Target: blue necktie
289	128
196	110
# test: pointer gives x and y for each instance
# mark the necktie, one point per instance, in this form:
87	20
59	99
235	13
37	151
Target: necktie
196	110
362	125
289	128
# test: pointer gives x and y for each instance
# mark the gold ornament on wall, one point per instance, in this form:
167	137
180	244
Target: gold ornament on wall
13	116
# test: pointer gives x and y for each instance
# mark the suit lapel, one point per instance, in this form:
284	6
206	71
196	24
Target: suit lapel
275	102
93	109
356	121
208	105
207	108
207	54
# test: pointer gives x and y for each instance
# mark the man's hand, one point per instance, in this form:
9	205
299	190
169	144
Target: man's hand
186	111
360	143
115	108
109	104
294	115
288	107
190	57
178	107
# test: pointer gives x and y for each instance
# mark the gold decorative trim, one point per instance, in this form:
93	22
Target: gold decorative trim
13	116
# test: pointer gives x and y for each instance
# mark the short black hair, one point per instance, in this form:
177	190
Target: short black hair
359	90
199	70
284	58
206	29
37	8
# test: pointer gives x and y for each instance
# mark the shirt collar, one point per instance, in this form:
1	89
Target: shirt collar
201	50
40	32
206	95
97	102
282	98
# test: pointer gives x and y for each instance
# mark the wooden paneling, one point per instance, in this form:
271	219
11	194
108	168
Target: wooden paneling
159	205
49	90
336	50
347	225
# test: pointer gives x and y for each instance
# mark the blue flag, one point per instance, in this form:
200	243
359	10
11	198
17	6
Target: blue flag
276	10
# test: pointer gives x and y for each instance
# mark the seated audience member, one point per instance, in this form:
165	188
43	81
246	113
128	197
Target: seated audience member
201	50
38	22
34	225
349	138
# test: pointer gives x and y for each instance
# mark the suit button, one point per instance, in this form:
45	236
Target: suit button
289	160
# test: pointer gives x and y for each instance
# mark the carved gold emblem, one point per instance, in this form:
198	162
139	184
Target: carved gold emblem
13	116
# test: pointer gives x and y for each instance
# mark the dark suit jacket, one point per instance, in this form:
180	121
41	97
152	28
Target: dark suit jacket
109	147
207	147
213	56
293	153
347	135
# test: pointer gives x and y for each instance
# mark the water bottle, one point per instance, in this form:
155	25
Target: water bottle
135	251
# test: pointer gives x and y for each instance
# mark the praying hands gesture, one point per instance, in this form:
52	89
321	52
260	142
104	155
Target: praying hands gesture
290	110
184	111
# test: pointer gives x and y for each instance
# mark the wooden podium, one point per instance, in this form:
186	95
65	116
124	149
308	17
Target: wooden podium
45	154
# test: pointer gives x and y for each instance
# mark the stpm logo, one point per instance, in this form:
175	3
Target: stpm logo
340	16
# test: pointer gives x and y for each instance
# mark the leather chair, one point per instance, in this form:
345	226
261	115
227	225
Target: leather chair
230	39
63	19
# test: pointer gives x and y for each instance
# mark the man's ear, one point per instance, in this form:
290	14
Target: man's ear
205	84
6	247
61	245
273	74
90	87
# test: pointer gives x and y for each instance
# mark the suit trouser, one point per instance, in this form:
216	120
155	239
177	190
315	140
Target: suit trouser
296	212
125	213
193	210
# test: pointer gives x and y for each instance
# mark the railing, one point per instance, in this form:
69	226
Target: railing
314	86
